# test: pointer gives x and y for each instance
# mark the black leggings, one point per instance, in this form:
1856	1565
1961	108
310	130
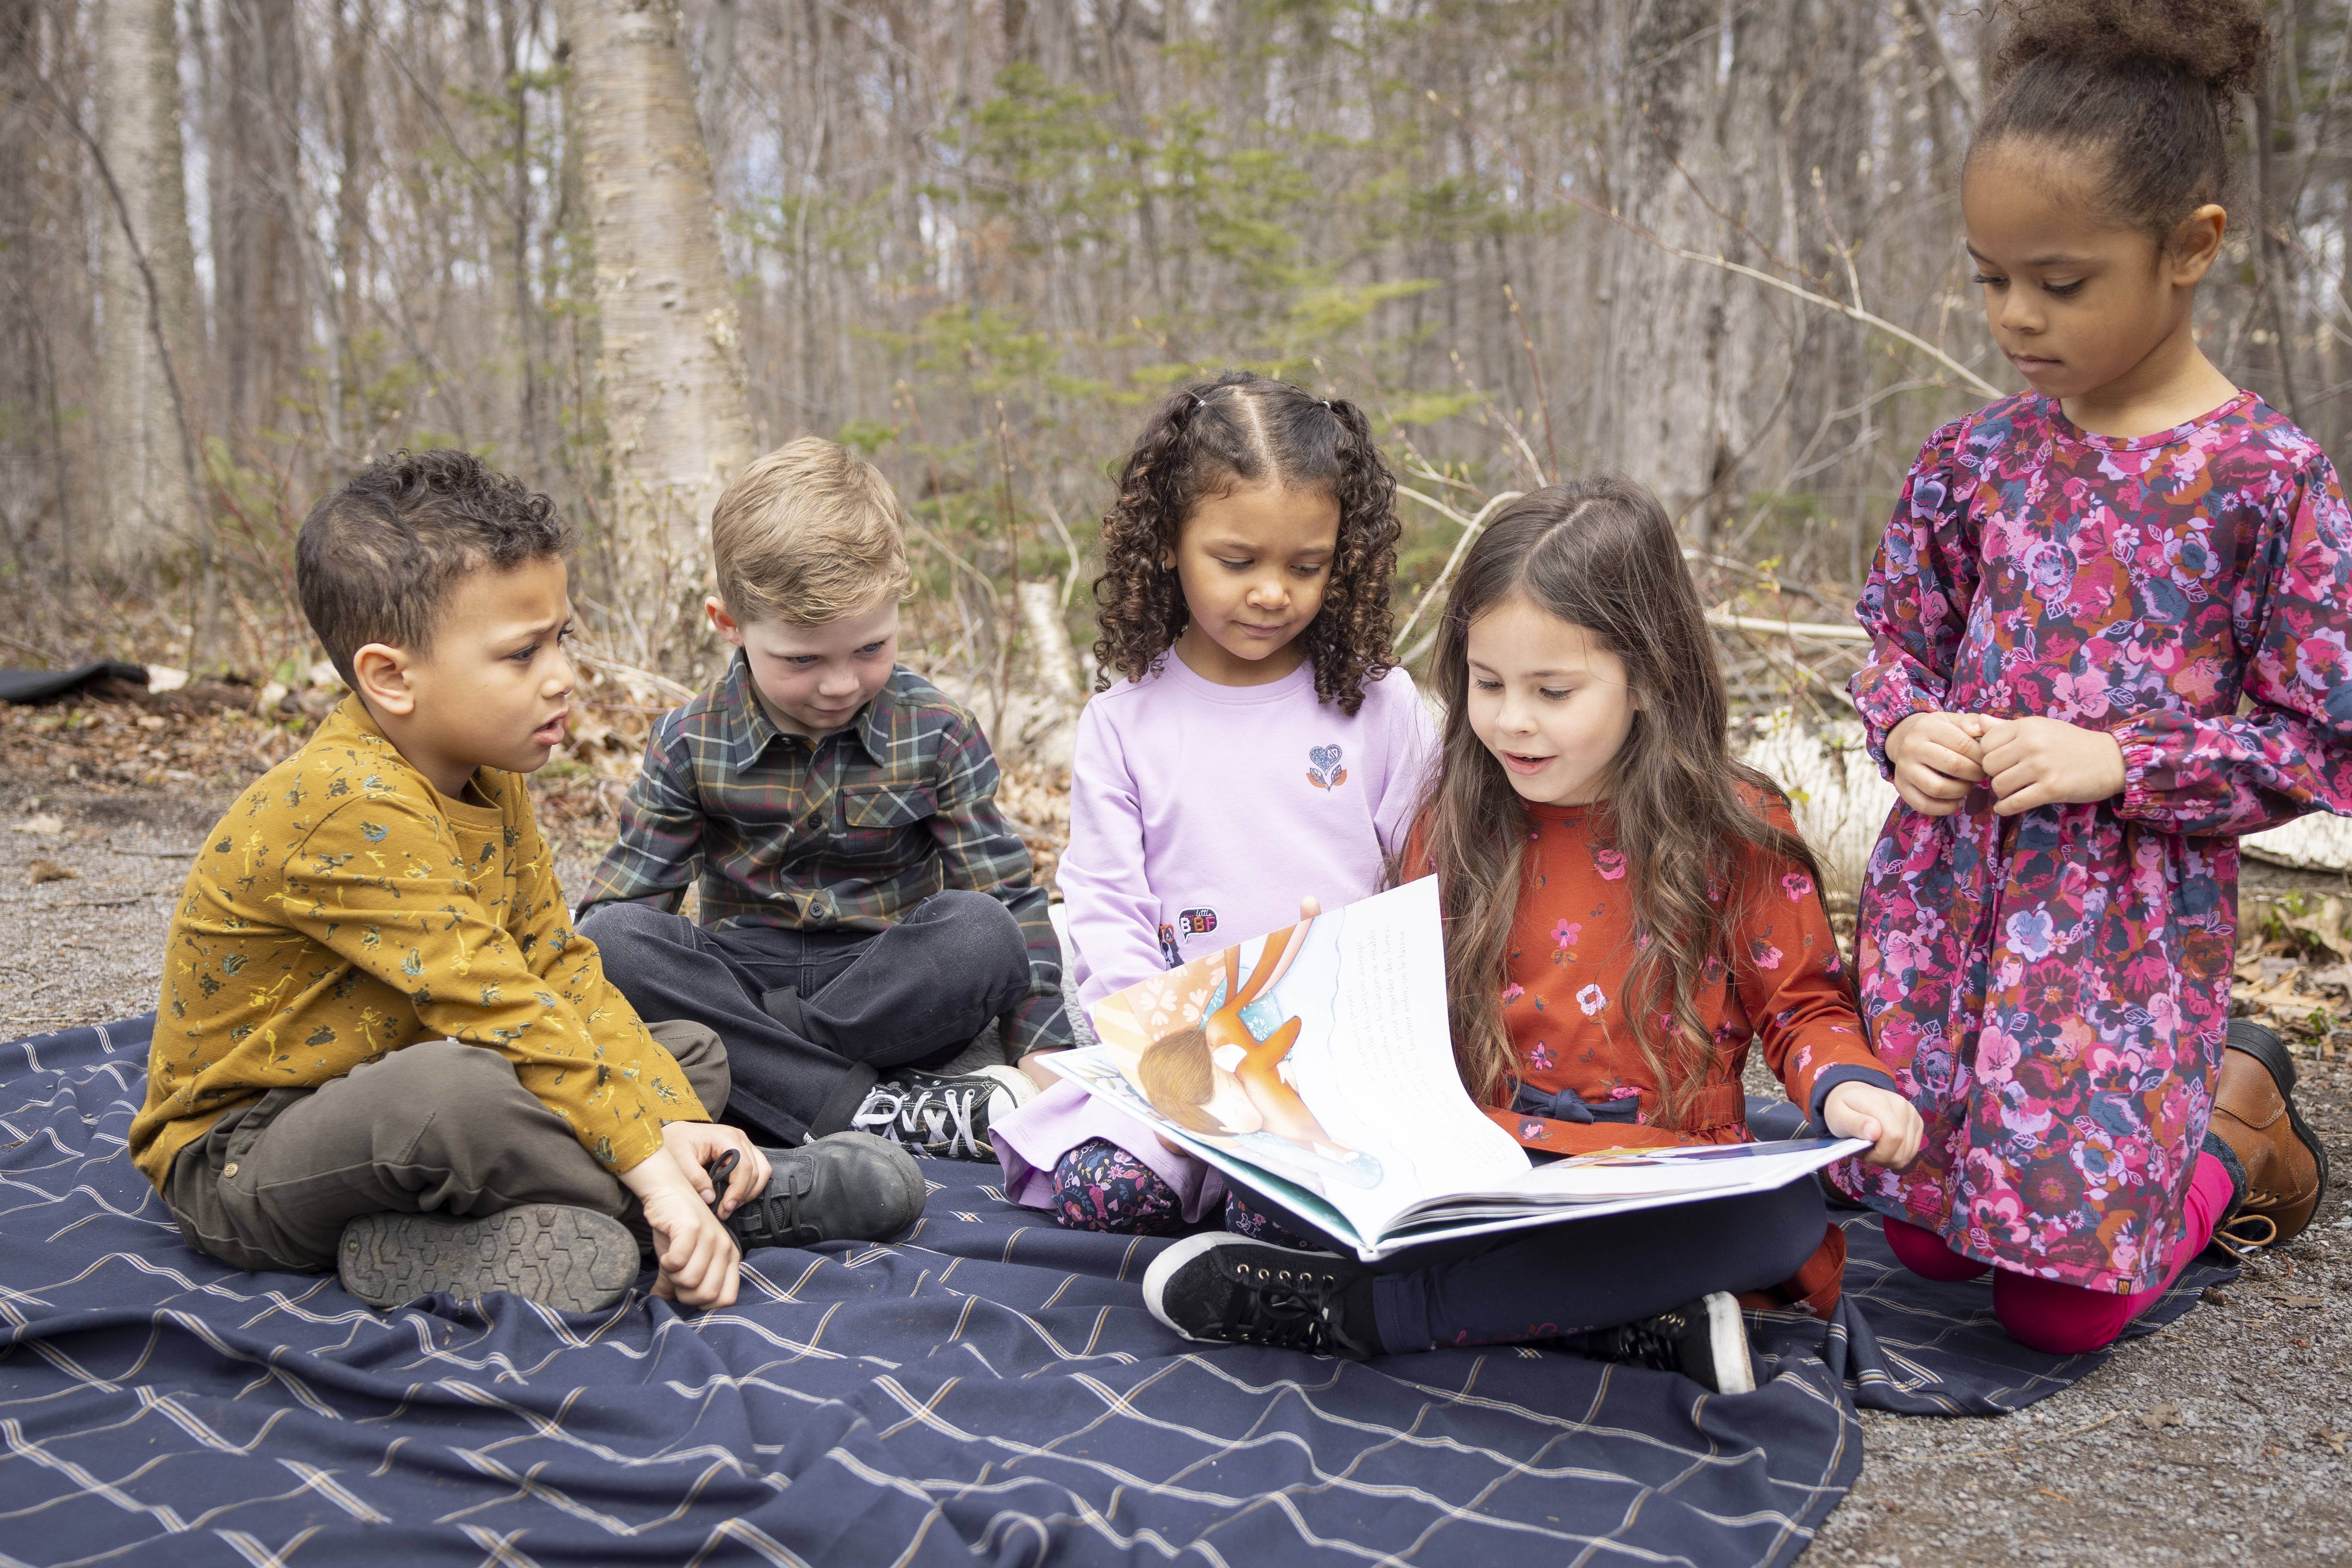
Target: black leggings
1593	1273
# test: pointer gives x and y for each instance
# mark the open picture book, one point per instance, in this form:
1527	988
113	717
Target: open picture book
1314	1065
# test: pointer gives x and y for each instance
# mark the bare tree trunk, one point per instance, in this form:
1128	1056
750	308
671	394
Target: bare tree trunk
1666	319
671	366
138	58
259	301
354	21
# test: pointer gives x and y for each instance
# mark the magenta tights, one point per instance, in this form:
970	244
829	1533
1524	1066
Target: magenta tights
2067	1319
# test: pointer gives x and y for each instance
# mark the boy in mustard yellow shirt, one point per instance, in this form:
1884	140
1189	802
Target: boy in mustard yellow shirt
382	1047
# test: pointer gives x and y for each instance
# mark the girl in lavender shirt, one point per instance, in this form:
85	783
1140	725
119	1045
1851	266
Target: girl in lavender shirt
1259	750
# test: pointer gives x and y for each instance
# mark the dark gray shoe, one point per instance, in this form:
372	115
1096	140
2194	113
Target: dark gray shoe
1706	1340
573	1259
1230	1290
943	1118
845	1186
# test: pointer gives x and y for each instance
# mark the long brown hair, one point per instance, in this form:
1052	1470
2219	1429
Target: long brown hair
1602	555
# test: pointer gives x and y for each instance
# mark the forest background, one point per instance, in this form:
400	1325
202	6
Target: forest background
620	247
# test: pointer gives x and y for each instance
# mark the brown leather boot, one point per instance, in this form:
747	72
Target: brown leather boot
2285	1165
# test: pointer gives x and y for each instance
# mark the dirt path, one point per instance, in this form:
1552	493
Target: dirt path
2220	1440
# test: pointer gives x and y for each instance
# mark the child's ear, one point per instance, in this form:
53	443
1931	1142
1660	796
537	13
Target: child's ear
725	624
2196	245
380	674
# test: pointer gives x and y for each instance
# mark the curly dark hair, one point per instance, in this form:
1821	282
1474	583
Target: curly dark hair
377	556
2150	86
1217	437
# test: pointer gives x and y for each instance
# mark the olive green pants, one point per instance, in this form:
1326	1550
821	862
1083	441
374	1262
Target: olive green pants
436	1126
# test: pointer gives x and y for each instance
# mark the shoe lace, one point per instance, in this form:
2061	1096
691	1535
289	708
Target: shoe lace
1291	1309
774	1219
2233	1239
878	1113
937	1120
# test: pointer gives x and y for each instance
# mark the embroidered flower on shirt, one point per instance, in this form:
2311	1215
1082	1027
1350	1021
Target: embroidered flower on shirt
1797	884
1323	771
1564	935
1592	1000
1531	1130
1767	956
1611	864
1512	993
1539	1057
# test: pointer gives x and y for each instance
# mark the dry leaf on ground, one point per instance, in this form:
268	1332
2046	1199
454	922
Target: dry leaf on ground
2165	1415
41	871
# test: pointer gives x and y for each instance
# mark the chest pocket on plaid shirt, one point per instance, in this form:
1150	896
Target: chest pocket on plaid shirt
884	823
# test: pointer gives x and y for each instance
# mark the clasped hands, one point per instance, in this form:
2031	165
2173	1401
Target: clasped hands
1940	757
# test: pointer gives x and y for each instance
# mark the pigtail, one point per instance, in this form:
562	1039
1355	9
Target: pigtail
1352	642
1140	607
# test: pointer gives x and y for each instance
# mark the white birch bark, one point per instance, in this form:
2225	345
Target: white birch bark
139	438
671	364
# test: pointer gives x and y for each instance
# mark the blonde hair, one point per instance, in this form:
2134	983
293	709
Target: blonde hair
1178	1076
808	535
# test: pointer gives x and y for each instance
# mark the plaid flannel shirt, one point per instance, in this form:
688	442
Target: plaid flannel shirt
846	833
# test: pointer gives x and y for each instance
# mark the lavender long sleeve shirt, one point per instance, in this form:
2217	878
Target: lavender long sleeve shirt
1201	813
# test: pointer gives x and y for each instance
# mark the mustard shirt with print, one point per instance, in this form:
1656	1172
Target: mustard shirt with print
344	908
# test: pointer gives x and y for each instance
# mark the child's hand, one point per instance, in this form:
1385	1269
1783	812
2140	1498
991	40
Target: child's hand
2048	762
1857	1110
696	1144
698	1258
1937	759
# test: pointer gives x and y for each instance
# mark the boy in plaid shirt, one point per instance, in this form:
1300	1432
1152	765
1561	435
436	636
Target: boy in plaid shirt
864	913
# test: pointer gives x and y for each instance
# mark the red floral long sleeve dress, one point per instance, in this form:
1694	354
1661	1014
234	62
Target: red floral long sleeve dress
1783	987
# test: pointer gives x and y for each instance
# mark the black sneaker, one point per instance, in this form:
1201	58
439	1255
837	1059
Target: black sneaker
1229	1290
943	1118
845	1186
1706	1340
573	1259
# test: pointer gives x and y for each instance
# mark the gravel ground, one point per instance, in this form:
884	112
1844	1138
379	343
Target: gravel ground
2220	1440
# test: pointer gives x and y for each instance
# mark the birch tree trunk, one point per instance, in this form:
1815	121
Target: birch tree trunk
140	435
1698	357
1664	317
671	363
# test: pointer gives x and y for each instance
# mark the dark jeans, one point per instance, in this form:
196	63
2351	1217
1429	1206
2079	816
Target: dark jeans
1593	1273
810	1017
434	1127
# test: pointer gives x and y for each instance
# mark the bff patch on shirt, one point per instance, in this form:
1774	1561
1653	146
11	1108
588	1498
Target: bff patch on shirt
1189	922
1323	770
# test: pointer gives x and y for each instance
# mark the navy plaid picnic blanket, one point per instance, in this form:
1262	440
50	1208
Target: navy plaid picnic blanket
989	1390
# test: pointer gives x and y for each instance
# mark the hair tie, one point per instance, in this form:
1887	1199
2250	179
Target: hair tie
1327	408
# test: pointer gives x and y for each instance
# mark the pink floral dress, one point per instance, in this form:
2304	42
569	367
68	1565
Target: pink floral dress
2052	989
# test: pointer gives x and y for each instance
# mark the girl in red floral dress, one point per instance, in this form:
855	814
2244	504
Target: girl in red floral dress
2110	626
1627	910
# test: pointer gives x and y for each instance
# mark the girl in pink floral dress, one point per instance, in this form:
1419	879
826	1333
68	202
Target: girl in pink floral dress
2110	620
